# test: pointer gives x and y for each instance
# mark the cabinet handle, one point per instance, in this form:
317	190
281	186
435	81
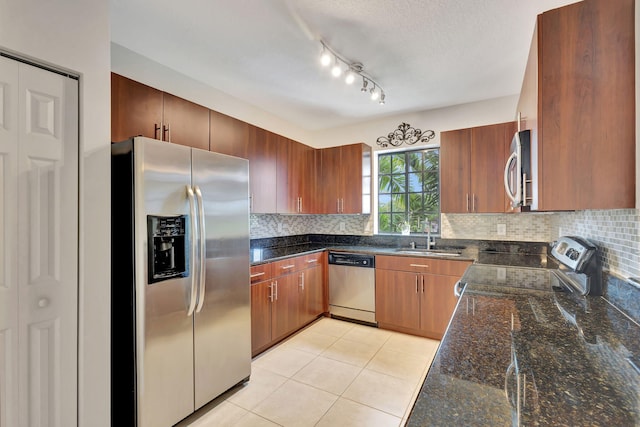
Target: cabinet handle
254	275
302	280
271	292
342	207
166	129
251	202
157	128
419	265
467	202
276	293
286	267
416	283
311	261
300	210
473	203
422	279
338	205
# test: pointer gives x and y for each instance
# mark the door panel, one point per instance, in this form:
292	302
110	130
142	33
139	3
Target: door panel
222	338
47	247
9	71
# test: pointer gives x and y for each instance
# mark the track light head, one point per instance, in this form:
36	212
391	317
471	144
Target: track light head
325	58
365	82
374	93
381	102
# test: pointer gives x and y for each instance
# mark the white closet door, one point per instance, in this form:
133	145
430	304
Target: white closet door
8	242
40	222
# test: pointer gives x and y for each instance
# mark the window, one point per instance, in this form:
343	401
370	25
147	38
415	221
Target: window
409	191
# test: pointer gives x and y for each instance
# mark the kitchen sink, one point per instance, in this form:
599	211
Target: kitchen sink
427	252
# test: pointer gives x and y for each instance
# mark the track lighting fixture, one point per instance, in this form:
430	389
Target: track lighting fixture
352	71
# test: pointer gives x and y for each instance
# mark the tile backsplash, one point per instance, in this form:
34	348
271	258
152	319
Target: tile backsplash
528	227
617	232
274	225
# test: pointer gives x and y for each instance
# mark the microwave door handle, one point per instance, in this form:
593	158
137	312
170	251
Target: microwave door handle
192	261
514	197
203	255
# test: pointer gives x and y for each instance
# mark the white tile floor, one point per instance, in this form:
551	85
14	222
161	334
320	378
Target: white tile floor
332	373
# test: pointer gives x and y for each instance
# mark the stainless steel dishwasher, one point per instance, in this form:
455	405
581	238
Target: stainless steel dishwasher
352	287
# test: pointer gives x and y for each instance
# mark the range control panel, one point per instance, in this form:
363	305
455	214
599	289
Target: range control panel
573	252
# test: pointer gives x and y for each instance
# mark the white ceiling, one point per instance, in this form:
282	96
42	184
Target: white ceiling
426	54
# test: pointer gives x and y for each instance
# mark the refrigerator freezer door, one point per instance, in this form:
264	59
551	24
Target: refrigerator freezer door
164	331
222	327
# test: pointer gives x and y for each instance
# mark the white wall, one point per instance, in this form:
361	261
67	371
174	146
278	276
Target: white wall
74	35
480	113
144	70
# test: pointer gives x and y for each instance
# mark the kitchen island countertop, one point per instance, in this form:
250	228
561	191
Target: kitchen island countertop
530	357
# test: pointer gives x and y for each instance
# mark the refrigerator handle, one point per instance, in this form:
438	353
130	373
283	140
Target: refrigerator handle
192	255
203	243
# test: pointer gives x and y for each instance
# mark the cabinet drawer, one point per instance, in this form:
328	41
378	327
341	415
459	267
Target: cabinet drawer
311	260
261	272
286	266
422	265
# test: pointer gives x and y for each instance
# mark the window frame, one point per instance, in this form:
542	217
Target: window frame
376	187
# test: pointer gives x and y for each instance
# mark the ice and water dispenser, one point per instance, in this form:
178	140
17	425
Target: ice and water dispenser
168	254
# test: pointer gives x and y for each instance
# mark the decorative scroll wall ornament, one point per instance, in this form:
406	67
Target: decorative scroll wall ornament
405	134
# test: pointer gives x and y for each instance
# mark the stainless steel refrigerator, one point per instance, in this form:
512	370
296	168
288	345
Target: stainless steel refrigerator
181	325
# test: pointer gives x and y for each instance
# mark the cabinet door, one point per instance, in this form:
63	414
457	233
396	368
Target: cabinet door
260	316
295	177
330	180
284	309
185	123
228	135
351	172
586	134
397	298
262	155
437	303
455	153
136	109
489	148
311	294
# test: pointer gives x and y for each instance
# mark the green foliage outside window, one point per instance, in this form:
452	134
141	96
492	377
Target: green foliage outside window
409	191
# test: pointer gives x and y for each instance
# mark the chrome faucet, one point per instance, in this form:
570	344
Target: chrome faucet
427	223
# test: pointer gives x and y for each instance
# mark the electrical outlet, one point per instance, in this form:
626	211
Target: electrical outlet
559	231
343	227
502	229
279	227
501	274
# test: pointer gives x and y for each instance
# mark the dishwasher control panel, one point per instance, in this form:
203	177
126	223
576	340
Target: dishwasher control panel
352	260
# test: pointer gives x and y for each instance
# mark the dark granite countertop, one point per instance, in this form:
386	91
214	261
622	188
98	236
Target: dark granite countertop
498	253
533	357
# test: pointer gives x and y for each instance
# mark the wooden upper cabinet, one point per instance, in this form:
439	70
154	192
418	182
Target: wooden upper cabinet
228	135
296	177
455	171
262	154
140	110
136	109
185	123
578	99
472	165
490	146
344	179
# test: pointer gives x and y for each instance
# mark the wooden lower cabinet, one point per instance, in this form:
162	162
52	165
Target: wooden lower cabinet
311	294
260	315
285	302
437	303
284	307
415	302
